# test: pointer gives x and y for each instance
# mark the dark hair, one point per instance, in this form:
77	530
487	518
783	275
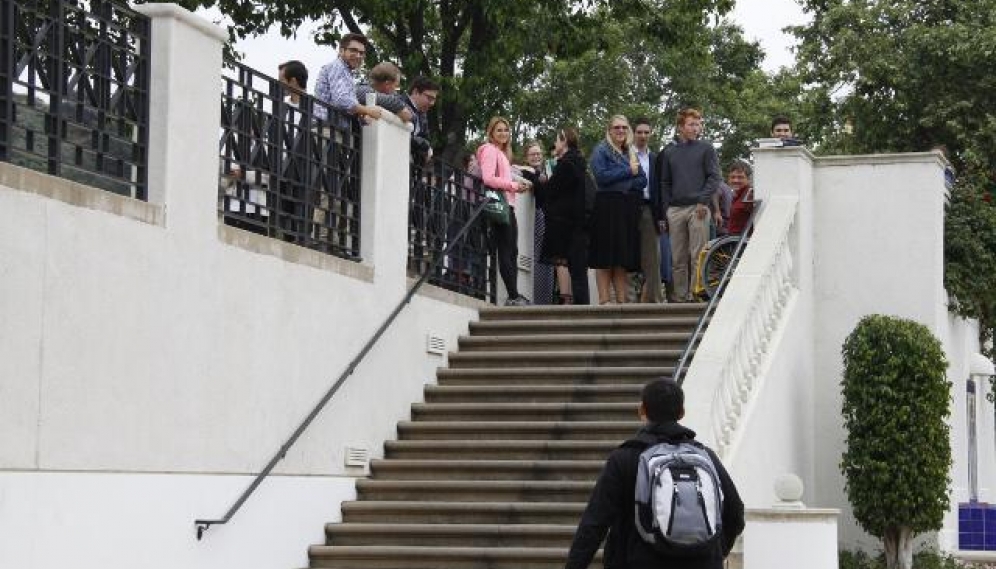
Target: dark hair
350	38
663	400
296	70
740	165
780	119
641	120
570	136
422	84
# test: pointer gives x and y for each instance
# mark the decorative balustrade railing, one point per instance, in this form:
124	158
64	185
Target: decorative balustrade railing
289	169
765	287
74	91
441	200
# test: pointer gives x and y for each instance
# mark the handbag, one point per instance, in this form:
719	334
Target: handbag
496	211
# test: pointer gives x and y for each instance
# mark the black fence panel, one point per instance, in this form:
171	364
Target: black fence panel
74	91
441	200
285	172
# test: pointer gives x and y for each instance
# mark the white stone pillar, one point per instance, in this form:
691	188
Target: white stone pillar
789	535
184	118
384	189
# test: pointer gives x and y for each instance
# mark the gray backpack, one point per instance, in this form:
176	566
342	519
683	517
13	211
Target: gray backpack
679	500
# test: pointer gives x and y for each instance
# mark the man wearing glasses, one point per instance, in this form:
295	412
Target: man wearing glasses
421	97
335	84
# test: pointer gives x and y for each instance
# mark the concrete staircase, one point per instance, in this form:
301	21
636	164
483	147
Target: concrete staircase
495	467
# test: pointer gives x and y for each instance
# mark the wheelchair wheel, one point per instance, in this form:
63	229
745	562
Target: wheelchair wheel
719	255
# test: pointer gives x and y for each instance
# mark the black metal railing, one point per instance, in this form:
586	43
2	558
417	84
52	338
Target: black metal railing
681	368
289	167
202	525
74	91
441	199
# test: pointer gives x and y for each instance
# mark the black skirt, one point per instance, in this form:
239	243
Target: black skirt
557	240
615	232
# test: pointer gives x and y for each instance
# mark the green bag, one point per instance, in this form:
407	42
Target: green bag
497	210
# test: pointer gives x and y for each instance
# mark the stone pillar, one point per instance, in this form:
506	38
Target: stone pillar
184	118
384	188
789	535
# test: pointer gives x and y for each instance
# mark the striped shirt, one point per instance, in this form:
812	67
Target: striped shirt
336	88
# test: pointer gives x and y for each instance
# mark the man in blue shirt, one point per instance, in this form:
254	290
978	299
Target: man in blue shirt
335	85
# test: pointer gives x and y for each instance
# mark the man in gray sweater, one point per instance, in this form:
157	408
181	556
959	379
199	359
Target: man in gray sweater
689	175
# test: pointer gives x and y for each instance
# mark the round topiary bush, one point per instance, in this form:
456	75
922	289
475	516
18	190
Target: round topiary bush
898	454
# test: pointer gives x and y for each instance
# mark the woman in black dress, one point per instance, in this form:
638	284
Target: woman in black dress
562	199
615	242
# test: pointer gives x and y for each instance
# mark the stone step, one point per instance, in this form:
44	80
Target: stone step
675	324
623	393
427	469
573	342
416	557
583	312
518	375
518	430
441	512
565	359
474	490
523	411
443	535
500	450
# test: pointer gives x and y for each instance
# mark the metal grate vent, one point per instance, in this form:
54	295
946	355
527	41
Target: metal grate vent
357	456
526	263
435	344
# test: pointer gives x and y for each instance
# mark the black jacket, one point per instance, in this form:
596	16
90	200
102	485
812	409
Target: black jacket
612	504
562	195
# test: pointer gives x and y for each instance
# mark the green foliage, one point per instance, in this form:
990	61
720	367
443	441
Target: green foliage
895	402
970	251
921	560
900	75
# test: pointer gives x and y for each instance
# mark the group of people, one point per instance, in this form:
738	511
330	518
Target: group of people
652	212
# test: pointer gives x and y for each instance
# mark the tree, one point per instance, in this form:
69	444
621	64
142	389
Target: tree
900	75
542	63
970	252
898	454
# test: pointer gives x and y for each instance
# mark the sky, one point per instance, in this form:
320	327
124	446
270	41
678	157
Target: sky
762	20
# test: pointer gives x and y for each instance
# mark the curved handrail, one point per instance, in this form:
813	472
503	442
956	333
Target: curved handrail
682	366
204	525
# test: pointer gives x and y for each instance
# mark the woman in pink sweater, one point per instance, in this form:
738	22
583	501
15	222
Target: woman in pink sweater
494	157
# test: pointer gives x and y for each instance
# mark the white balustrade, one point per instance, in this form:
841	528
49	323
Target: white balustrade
768	288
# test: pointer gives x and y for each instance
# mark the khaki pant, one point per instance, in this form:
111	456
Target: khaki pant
689	235
650	255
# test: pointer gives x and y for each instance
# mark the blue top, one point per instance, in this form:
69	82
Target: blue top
612	172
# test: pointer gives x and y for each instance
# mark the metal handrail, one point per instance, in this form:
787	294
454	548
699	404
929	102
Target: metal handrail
204	525
681	368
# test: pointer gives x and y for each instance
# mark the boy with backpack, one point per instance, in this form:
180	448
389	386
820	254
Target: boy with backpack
666	498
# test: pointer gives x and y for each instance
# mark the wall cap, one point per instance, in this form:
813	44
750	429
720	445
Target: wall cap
45	185
176	12
292	253
791	515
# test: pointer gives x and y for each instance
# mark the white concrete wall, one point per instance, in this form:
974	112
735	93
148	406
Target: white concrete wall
868	239
153	359
790	538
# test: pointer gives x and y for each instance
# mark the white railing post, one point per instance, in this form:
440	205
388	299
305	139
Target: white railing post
789	535
384	189
184	118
